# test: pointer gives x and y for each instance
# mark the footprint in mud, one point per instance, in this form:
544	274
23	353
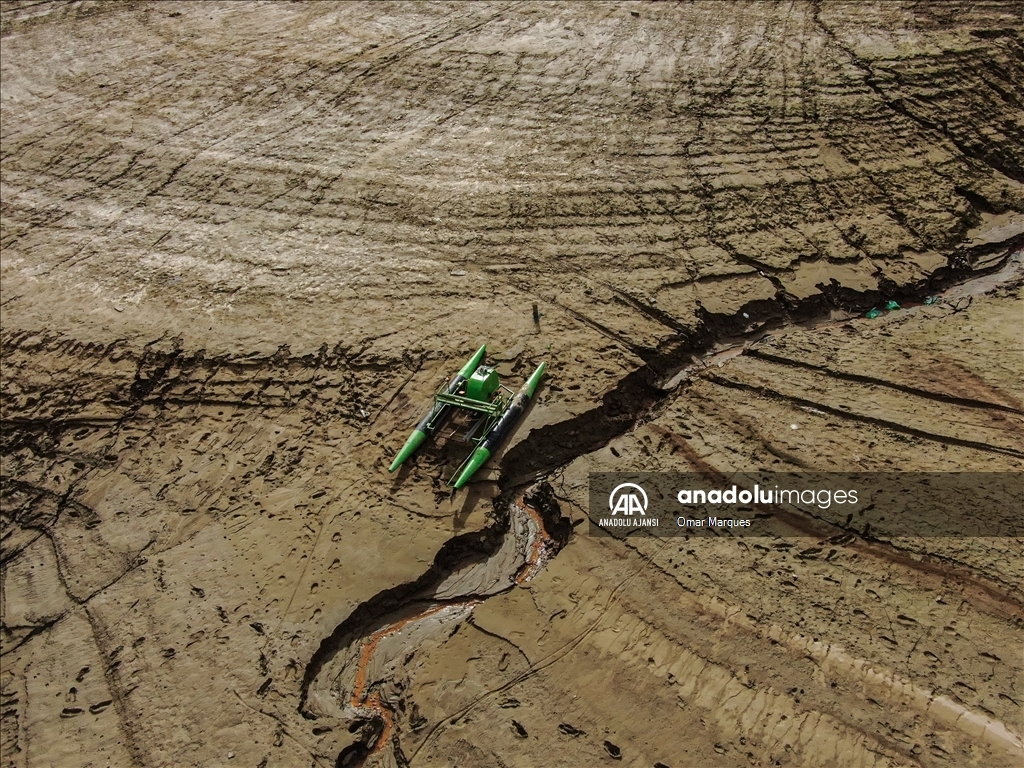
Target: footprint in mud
570	730
519	730
613	750
71	711
98	707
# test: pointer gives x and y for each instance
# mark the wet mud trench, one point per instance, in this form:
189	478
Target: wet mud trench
355	673
356	677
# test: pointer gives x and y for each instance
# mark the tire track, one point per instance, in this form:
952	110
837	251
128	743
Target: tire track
874	421
925	394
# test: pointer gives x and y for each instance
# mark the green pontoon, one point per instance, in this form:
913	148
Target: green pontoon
494	409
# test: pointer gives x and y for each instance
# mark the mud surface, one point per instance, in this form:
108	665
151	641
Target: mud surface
243	243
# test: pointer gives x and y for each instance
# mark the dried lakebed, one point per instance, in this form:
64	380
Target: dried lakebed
242	242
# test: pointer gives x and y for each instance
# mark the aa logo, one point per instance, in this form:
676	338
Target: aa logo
627	502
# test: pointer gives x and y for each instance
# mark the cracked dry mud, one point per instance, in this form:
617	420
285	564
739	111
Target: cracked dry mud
242	244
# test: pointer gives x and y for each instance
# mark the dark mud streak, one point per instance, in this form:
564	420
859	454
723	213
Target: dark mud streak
13	643
496	636
644	353
105	645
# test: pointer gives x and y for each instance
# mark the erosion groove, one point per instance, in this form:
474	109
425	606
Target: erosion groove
621	410
625	405
360	622
419	601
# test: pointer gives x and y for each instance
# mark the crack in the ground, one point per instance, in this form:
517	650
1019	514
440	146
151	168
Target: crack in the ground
634	397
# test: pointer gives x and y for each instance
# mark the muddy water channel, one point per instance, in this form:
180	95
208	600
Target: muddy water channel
357	676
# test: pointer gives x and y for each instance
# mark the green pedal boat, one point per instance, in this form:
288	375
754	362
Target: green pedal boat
474	389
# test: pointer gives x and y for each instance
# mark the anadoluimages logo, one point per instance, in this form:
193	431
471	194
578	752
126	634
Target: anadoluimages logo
627	503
